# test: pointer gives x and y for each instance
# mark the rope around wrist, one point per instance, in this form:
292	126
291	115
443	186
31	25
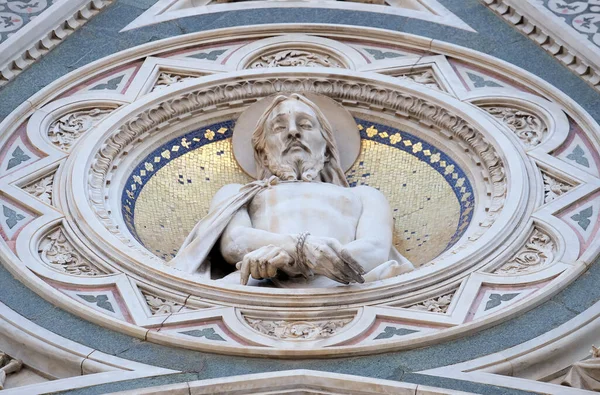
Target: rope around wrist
301	254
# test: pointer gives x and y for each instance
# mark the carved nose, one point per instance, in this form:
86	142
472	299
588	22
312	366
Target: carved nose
294	134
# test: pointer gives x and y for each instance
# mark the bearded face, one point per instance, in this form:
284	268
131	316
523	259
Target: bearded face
294	144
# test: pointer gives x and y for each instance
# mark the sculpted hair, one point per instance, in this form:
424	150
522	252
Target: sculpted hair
332	170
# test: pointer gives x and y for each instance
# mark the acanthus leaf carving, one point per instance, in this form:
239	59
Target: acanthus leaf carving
438	304
295	58
298	330
426	77
58	253
553	187
8	365
529	128
159	305
166	79
41	189
66	130
537	252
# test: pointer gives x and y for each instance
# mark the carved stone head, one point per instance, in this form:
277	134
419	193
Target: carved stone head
294	141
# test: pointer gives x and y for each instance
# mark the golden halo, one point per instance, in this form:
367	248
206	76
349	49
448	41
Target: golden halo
345	131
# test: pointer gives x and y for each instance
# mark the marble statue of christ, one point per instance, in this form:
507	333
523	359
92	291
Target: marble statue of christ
300	220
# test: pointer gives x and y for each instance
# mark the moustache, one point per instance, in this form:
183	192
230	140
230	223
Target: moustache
296	143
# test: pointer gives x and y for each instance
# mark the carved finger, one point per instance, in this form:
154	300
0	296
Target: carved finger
353	263
271	271
263	269
331	269
244	267
254	269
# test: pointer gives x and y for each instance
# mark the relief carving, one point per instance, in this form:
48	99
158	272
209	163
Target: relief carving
167	79
160	305
65	131
529	128
42	189
298	330
59	254
8	366
585	374
537	252
337	88
295	58
553	188
439	304
426	78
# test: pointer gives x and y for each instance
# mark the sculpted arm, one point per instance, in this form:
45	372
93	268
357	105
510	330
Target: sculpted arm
240	238
373	240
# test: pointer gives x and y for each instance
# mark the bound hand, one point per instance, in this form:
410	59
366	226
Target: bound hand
327	256
263	263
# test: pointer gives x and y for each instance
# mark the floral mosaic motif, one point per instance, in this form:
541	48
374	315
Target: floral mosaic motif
58	253
207	333
438	304
537	252
11	217
167	79
480	82
391	331
554	188
295	58
529	128
212	55
160	305
583	217
99	300
582	15
298	330
378	55
109	85
17	157
65	131
578	155
42	189
496	300
15	14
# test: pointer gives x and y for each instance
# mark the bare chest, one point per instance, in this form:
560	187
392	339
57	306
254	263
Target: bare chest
300	206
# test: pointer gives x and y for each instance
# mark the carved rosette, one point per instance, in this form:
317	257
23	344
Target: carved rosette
58	253
295	58
42	189
537	252
439	304
65	131
529	128
298	330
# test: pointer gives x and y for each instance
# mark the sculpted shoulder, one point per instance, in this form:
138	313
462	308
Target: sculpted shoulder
369	193
225	193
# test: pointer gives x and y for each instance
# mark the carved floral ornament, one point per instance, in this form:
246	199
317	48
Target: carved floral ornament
62	252
67	129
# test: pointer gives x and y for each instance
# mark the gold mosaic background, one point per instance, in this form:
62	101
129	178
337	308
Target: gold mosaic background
426	210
